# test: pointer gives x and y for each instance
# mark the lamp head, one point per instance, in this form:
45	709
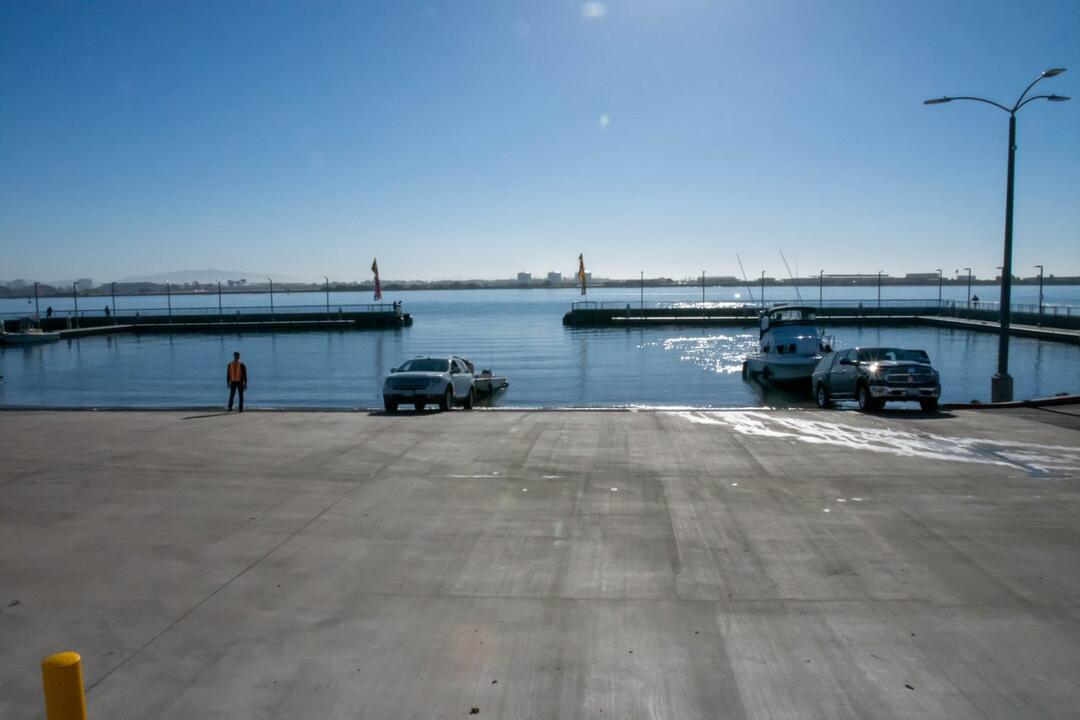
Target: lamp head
937	101
1057	98
1052	72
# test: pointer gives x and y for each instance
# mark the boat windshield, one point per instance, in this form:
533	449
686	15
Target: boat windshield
892	354
426	365
790	314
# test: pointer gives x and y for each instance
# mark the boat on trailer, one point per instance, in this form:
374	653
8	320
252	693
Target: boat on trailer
789	346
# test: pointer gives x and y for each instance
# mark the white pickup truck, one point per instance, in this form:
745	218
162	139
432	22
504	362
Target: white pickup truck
423	380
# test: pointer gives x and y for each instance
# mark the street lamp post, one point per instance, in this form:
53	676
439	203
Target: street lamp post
969	292
702	288
37	306
1001	384
113	286
75	297
168	298
939	281
879	291
642	289
219	300
271	297
763	290
820	289
327	279
1040	293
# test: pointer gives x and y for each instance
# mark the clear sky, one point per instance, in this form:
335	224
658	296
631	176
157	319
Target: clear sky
465	139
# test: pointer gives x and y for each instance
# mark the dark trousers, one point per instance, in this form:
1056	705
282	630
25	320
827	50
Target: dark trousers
233	389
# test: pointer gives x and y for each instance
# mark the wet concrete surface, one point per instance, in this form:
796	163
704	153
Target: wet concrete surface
681	564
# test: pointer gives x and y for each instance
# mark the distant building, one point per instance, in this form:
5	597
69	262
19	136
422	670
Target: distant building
554	277
524	277
85	283
921	276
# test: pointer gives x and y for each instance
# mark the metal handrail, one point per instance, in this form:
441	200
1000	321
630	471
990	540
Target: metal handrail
866	304
159	312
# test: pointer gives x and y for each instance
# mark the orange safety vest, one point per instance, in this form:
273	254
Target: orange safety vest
235	375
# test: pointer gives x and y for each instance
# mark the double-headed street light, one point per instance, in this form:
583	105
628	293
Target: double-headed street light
1001	385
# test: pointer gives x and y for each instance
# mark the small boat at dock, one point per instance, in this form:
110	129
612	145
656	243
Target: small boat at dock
32	336
789	346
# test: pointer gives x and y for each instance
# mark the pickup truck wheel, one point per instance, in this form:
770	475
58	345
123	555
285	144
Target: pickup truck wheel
821	395
447	400
390	405
469	399
867	403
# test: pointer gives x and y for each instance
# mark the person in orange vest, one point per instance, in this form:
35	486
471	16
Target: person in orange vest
236	377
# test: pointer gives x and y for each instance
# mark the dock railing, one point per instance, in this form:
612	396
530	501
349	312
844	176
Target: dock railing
944	307
233	313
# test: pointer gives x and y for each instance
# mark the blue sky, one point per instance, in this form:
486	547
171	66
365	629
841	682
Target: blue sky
477	139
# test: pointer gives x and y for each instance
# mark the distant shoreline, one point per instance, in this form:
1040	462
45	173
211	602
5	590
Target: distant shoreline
137	289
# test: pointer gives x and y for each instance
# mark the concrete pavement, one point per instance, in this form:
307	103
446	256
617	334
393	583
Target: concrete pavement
770	564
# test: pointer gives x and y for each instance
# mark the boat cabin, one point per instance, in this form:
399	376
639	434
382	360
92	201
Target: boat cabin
786	315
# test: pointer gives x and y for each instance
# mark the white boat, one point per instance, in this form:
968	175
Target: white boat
33	336
488	384
789	346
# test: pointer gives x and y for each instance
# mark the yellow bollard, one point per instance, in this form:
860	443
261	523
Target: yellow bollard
61	675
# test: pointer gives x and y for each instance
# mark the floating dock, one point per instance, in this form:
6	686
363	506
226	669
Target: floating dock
1054	327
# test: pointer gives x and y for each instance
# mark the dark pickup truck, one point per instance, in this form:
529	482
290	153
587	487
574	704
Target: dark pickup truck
876	375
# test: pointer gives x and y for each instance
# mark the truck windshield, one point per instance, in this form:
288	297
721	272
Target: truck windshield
426	365
894	354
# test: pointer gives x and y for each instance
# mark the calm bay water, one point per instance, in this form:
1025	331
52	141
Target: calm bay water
517	333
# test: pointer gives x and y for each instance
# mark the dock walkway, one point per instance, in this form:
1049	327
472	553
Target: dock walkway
1040	332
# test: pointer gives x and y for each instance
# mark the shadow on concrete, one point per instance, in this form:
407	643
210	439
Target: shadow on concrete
210	415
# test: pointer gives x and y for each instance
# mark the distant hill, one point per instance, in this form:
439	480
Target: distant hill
208	276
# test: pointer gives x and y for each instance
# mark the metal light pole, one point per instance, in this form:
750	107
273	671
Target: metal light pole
1001	384
271	296
1040	293
820	289
703	288
114	302
879	291
762	289
37	306
642	289
219	300
940	279
327	279
168	298
969	291
75	297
